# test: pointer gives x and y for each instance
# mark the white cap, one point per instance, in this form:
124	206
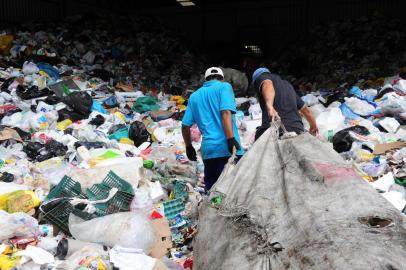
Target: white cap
213	71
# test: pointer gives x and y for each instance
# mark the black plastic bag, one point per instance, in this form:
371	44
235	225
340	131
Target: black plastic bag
6	177
67	114
31	92
81	102
40	152
244	107
97	121
6	84
90	145
138	133
32	149
116	128
52	100
342	140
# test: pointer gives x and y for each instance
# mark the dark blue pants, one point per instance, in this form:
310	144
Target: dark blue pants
213	168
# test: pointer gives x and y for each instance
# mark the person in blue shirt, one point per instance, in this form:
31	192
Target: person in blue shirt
212	107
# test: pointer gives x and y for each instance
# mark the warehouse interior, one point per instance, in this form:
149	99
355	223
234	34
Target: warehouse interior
202	134
223	28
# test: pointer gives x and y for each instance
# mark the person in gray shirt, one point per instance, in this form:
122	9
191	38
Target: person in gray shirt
278	98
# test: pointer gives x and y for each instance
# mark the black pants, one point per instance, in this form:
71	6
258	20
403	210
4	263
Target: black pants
213	168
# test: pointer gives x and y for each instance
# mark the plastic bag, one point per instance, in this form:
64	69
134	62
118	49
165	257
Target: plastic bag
19	201
30	68
389	124
8	262
81	102
374	170
17	225
310	100
138	133
330	121
31	92
392	105
400	85
141	201
359	106
342	140
145	104
127	229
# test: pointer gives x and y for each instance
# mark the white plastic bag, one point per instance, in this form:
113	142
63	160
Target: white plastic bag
17	224
127	229
124	258
359	106
310	99
330	120
400	85
142	201
390	124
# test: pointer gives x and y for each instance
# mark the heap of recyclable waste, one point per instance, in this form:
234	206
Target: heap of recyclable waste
93	170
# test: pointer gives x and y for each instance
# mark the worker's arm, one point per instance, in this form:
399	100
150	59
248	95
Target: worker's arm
227	124
268	92
307	113
190	151
228	130
186	135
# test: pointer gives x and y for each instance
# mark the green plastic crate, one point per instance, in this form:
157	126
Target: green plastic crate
59	215
173	207
120	201
67	187
113	180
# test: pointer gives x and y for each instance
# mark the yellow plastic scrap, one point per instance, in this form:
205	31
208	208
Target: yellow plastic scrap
8	262
91	260
127	141
64	124
19	201
43	73
178	99
120	116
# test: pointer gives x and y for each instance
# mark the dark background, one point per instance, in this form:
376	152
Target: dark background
219	28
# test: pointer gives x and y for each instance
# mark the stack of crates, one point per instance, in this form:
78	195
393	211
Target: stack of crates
68	188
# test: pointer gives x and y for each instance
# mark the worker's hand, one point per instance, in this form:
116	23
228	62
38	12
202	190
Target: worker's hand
191	153
232	142
273	114
314	130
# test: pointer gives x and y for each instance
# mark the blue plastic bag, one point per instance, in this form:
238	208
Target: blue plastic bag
348	113
97	107
50	70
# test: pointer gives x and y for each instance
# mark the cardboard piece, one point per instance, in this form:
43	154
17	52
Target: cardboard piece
9	133
164	243
381	149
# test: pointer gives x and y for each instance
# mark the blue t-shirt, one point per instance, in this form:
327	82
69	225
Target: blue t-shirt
204	108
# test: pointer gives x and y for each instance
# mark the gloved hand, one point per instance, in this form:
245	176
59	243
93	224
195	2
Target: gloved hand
191	153
232	142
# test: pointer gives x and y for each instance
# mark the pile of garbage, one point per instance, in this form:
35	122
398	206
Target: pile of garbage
344	52
127	52
368	128
93	173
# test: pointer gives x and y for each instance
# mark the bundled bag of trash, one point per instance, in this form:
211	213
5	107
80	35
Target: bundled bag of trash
295	204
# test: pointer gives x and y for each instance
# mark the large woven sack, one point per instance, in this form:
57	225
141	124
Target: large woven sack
296	204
